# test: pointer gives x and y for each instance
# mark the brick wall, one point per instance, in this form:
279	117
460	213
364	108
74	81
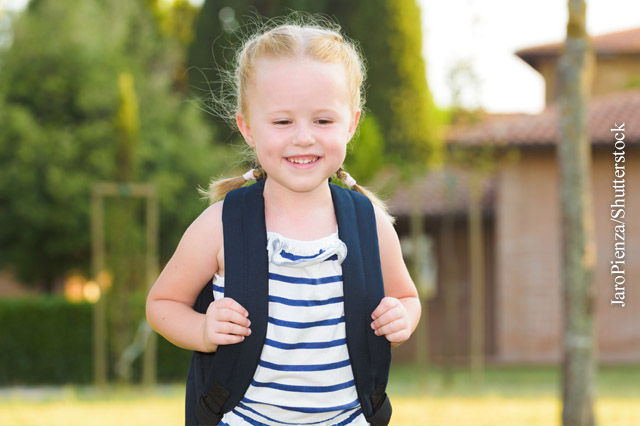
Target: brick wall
528	269
528	297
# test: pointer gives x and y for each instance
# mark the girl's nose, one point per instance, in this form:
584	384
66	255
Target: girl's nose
304	136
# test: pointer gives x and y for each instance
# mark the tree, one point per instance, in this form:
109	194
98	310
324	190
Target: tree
578	247
398	93
60	99
365	155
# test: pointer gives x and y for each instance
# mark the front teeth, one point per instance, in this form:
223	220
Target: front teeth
302	160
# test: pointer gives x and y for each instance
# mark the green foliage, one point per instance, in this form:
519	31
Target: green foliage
59	101
127	127
45	340
398	94
175	18
366	150
48	341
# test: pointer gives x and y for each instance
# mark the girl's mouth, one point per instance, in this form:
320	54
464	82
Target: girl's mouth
307	159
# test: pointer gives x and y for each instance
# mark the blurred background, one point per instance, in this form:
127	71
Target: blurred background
110	122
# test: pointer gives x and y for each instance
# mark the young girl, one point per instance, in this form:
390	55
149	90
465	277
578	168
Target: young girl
298	105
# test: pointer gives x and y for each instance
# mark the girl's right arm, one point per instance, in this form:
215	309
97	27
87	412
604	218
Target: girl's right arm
170	301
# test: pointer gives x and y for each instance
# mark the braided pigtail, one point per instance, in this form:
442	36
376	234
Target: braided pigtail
218	188
351	183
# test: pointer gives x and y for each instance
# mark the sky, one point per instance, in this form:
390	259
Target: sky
485	35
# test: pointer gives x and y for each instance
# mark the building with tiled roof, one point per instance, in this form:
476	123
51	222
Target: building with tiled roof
521	218
617	56
542	129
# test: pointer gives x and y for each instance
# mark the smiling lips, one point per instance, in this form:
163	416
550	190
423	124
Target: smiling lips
307	159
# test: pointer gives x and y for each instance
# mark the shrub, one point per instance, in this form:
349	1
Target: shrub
49	340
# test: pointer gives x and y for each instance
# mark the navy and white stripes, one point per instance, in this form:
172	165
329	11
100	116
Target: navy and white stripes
304	376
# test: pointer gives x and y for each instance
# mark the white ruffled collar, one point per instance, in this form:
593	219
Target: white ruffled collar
285	251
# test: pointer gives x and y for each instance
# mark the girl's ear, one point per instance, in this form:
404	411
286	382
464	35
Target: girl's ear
245	129
353	125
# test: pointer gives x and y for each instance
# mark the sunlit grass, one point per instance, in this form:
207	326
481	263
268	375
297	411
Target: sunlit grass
508	396
80	406
500	410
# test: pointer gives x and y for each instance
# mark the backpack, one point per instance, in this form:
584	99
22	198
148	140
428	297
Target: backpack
218	381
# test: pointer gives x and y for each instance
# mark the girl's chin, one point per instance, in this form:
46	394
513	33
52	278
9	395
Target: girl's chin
301	184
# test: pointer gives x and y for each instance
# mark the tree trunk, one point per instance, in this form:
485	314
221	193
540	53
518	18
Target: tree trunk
476	281
422	336
99	308
450	283
150	360
578	247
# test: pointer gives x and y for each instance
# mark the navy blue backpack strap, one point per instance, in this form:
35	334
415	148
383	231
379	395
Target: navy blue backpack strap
247	282
363	290
200	362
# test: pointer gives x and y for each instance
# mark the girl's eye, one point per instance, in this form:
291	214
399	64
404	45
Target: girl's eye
324	121
282	122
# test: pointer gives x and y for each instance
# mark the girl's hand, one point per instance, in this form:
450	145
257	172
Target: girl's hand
391	319
225	323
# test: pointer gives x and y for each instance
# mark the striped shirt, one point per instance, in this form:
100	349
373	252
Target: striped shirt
304	376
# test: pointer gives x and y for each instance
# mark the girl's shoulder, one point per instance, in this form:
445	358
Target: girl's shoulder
205	232
213	212
384	225
210	220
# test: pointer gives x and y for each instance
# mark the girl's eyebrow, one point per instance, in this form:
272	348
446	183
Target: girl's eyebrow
314	112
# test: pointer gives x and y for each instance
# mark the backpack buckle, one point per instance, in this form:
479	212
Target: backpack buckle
209	407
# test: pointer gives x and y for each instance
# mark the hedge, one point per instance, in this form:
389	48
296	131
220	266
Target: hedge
48	340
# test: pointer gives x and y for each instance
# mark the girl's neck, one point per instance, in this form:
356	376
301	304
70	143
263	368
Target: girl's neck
299	215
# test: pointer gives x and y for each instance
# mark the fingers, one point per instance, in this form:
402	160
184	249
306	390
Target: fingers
390	319
229	312
391	327
226	323
385	304
218	339
229	303
386	311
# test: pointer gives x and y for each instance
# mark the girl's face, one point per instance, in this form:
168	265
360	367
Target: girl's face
299	120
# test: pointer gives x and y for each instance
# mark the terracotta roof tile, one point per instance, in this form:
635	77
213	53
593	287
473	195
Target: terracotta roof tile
621	42
440	192
542	129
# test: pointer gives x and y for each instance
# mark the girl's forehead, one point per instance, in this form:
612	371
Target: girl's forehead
285	79
285	68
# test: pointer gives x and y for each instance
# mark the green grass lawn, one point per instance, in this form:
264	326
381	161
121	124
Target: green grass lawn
508	396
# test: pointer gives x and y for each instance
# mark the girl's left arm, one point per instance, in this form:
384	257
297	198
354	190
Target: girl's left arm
397	315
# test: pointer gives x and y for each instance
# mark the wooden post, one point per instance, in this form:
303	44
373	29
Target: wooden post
450	279
101	190
149	366
417	230
477	282
99	308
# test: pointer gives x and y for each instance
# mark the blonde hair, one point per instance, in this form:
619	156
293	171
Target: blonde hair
299	41
294	41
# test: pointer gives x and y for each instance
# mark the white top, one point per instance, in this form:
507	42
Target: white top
304	376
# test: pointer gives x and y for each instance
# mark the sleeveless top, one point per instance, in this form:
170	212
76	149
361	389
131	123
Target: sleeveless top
304	376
